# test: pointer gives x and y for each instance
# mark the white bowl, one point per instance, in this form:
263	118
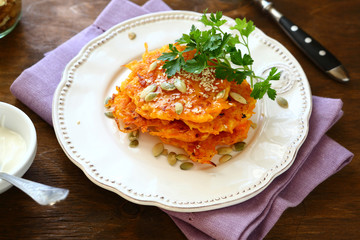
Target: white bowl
17	121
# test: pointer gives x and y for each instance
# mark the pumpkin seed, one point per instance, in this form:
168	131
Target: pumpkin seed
220	94
237	97
165	152
134	143
225	158
152	67
224	150
109	114
186	165
180	85
147	90
171	158
239	146
151	96
132	35
107	102
133	135
157	149
167	86
282	102
182	157
178	108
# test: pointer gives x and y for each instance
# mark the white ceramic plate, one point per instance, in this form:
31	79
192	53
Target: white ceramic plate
93	142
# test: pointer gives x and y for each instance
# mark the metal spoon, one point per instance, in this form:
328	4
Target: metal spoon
42	194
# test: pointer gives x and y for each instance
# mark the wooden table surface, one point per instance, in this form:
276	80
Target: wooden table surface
331	211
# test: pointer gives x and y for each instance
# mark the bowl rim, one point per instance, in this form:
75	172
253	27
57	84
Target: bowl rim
31	145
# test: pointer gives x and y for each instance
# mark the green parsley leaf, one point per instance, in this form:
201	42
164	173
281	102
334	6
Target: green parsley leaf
233	40
260	88
218	49
247	60
168	56
271	93
205	20
212	43
240	24
236	57
174	66
248	29
184	39
273	75
196	65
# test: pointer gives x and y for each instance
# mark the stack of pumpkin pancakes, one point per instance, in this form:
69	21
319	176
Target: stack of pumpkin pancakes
196	112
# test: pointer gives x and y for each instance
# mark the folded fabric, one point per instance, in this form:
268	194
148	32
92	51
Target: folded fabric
318	158
35	87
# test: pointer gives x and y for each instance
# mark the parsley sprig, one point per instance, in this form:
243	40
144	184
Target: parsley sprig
216	48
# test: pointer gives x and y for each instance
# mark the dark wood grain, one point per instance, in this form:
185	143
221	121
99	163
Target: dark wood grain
331	211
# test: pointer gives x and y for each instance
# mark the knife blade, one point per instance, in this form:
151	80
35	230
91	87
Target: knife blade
325	60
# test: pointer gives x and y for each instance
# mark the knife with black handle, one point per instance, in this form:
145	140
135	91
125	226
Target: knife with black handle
313	49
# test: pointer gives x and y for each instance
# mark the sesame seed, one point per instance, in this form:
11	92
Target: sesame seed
207	79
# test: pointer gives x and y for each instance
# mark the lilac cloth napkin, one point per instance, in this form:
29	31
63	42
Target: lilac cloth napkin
318	158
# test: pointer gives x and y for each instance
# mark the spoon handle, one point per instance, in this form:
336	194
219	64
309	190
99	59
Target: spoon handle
42	194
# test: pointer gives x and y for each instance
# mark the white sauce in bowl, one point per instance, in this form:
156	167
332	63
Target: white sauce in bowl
12	148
